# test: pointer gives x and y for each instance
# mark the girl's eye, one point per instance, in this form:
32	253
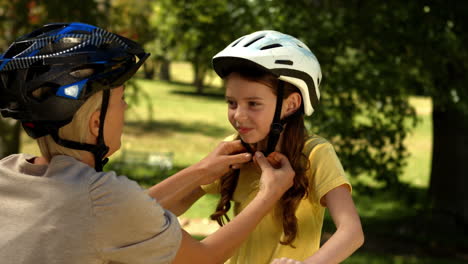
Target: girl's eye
231	104
254	104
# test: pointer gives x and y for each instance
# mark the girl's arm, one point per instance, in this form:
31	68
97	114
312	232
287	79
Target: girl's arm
348	236
181	190
219	246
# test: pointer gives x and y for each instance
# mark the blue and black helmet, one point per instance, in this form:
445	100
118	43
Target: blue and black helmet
66	63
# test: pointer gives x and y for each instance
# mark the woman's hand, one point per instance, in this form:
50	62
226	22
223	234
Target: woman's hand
286	261
277	173
221	159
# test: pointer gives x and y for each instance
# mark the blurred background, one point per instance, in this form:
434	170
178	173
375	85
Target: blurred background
394	102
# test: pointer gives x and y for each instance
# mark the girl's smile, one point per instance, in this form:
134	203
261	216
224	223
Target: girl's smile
244	130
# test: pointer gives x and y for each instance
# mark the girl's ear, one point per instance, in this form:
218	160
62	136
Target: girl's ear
291	104
94	124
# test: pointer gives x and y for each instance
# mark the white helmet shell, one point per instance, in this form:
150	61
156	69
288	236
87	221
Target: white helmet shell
282	55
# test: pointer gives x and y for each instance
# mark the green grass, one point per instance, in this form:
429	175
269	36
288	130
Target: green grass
187	125
419	144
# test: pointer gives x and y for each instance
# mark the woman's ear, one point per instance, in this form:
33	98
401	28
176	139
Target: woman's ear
94	124
291	104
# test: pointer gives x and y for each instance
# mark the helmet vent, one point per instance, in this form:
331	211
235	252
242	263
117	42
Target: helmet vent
286	62
276	45
237	42
82	73
254	40
17	48
318	81
44	92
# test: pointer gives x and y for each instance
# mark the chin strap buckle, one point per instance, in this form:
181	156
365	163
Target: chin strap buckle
275	132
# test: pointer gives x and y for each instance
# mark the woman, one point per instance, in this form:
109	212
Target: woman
65	84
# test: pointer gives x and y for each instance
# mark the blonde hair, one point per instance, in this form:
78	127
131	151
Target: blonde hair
77	130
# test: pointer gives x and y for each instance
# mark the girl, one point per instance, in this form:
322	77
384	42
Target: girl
65	83
271	81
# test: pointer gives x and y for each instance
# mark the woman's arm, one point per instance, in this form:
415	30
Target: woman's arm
219	246
183	204
176	192
348	236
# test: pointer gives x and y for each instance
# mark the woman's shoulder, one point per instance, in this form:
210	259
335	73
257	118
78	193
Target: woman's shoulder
152	232
97	184
15	160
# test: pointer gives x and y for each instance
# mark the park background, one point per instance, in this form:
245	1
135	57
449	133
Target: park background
394	102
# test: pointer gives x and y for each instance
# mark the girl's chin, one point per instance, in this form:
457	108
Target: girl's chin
254	142
249	140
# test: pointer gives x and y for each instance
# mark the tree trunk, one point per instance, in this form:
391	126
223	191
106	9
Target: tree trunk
10	132
449	175
149	69
199	77
165	70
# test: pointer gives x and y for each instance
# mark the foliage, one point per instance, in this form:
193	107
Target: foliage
135	24
197	30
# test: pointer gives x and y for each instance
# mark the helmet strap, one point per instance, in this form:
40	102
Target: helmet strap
99	150
277	124
247	146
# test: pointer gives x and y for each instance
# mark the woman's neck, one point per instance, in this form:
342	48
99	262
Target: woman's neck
86	158
40	161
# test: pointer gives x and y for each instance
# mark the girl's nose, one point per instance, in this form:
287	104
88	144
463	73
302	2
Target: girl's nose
240	114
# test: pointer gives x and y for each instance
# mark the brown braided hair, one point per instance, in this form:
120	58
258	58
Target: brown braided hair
296	134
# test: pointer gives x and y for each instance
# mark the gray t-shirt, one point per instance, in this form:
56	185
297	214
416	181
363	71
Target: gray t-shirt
66	212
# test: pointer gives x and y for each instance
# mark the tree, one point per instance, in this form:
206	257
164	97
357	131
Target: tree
437	46
135	24
14	21
197	30
373	57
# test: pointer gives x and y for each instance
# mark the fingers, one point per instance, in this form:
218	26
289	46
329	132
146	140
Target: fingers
231	147
262	161
274	161
235	161
279	160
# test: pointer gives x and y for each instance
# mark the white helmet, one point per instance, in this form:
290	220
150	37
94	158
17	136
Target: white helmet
280	54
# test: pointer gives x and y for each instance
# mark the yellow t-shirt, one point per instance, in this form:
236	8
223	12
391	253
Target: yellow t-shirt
262	246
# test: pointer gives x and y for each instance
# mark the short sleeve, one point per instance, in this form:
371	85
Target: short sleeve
129	225
325	172
212	188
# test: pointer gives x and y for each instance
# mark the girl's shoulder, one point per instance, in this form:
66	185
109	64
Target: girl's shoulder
312	142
